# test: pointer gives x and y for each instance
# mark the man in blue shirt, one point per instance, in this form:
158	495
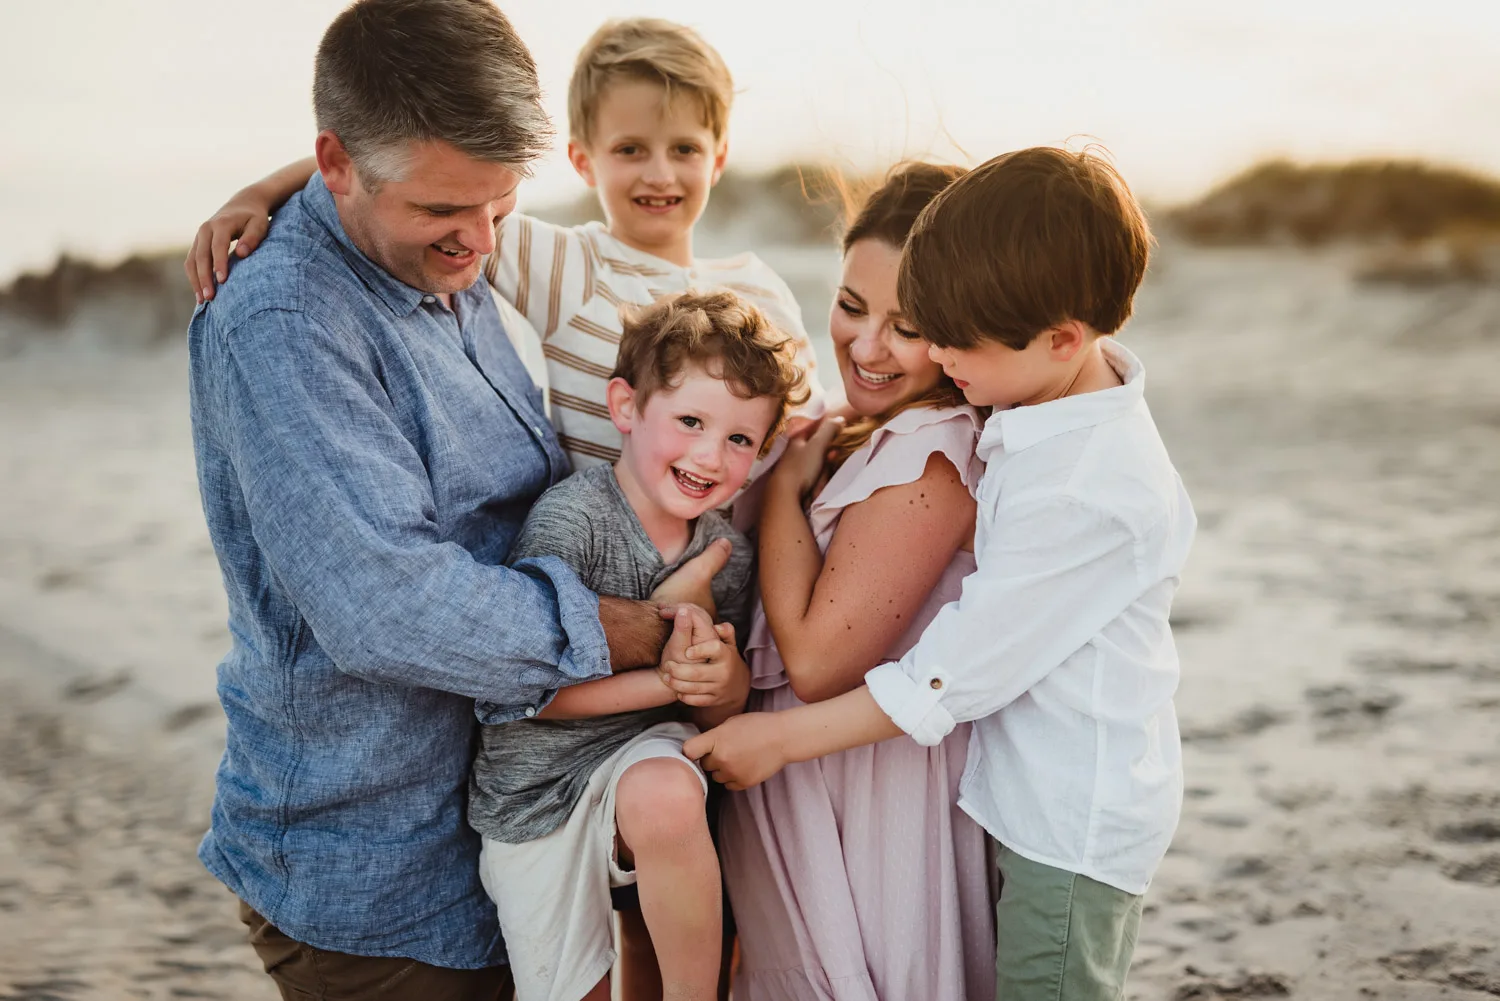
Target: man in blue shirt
368	445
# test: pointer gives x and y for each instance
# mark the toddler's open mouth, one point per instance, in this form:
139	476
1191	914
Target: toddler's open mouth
694	486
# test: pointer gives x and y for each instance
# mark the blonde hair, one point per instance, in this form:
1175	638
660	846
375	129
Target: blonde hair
728	336
651	49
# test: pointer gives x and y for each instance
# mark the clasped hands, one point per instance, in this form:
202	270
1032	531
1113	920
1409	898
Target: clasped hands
701	664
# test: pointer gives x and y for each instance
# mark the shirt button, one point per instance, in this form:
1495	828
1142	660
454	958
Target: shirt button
530	711
536	430
429	299
936	683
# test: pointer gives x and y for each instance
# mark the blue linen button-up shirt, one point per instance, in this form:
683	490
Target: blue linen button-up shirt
366	458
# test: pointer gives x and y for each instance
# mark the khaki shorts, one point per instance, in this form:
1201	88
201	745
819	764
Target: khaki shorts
552	894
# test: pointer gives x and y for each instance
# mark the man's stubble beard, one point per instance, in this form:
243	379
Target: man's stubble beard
403	262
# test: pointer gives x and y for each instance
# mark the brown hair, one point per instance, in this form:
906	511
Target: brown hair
887	214
390	72
720	331
1022	243
649	48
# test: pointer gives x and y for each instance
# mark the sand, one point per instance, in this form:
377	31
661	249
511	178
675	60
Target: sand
1338	629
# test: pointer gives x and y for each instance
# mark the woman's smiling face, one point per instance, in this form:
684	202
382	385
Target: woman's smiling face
882	361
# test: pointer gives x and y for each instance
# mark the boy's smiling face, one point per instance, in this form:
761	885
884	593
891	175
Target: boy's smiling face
653	163
689	448
992	374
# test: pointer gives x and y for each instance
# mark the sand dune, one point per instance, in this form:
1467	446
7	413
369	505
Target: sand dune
1339	630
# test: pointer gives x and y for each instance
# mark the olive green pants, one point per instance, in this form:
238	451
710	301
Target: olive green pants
1061	936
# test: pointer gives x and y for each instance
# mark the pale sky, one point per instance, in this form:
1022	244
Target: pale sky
126	124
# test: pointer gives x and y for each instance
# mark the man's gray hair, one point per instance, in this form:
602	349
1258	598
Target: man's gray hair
392	72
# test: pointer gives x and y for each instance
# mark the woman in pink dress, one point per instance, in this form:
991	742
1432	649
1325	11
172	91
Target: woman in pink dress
856	877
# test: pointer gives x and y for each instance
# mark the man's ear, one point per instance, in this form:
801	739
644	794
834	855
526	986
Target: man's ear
1068	338
334	163
720	158
620	395
582	162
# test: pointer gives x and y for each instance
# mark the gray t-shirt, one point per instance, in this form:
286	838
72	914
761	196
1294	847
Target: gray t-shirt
529	773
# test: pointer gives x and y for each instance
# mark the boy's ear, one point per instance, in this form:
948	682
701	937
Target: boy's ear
720	158
579	157
334	163
1068	338
620	395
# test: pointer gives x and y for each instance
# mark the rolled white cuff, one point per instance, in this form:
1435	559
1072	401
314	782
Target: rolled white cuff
914	706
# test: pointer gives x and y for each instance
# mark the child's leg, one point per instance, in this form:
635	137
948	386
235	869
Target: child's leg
1061	935
663	830
640	977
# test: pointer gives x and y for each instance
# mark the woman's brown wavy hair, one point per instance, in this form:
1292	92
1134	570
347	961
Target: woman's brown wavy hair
886	212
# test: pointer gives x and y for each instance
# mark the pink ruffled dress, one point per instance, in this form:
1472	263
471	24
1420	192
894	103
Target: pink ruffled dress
856	877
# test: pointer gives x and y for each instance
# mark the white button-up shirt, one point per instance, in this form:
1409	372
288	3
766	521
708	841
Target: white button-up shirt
1059	648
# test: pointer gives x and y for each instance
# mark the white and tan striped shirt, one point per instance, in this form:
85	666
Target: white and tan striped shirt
570	282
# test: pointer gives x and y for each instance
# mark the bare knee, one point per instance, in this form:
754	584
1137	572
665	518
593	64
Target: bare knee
659	803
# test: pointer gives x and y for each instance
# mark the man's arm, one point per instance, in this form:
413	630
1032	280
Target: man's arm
1052	575
341	505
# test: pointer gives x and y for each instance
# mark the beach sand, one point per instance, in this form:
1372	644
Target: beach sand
1339	627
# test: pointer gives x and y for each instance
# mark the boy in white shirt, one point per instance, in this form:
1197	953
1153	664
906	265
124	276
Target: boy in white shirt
1059	648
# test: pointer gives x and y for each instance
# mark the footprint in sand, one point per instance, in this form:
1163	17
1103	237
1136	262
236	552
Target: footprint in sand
1401	665
1205	987
1245	723
1484	871
1472	967
95	687
1344	710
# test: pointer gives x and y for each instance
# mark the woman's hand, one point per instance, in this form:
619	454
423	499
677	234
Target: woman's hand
743	751
802	463
245	217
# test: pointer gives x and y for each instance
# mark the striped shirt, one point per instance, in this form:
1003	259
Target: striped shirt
570	283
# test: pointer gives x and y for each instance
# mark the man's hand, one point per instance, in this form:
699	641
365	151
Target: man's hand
742	751
700	662
692	583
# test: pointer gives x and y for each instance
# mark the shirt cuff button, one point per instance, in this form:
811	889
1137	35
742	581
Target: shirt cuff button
530	711
935	683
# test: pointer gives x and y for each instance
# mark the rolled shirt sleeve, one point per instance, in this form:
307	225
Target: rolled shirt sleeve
342	507
1052	574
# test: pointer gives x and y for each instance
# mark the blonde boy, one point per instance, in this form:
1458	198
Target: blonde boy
648	120
1059	649
593	792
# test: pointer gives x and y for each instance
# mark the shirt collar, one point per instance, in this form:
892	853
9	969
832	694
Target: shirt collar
1022	427
620	250
400	298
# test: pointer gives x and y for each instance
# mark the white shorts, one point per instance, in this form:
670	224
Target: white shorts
552	894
